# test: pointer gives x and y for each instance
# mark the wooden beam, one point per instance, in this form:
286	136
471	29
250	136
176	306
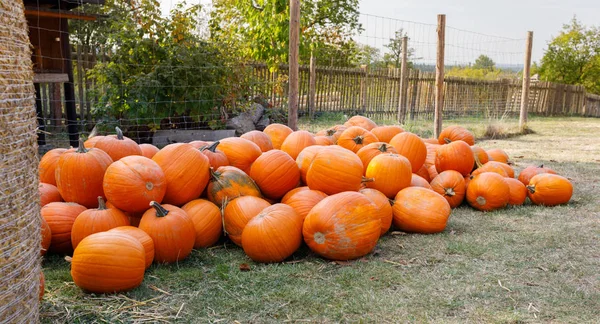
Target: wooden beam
50	78
51	13
294	48
526	81
439	76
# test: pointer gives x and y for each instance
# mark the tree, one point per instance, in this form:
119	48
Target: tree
573	57
483	62
394	58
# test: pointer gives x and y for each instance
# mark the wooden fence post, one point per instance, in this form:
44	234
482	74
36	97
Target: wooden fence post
415	92
363	88
526	81
403	81
80	84
439	76
293	64
312	86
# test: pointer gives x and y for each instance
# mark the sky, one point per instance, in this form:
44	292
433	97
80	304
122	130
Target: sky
494	28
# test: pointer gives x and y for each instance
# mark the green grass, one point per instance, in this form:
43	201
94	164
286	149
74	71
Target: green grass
523	264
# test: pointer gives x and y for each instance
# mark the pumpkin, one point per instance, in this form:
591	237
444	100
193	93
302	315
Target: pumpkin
240	152
456	133
360	121
48	163
451	185
186	171
480	155
46	236
431	152
133	182
418	181
488	191
334	170
333	132
91	141
384	207
343	226
108	262
259	138
518	192
389	173
354	138
493	166
42	286
48	193
423	173
455	156
201	144
207	220
215	157
134	220
171	230
277	133
275	173
238	212
497	155
420	210
60	217
305	158
118	146
142	237
432	171
368	152
549	189
412	147
386	133
323	140
148	150
296	142
92	221
531	171
273	235
227	183
79	175
431	141
303	199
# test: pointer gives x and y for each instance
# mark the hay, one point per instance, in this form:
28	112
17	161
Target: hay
19	198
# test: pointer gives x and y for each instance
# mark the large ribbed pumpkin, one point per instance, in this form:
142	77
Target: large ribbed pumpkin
48	165
455	156
531	171
96	220
491	166
343	226
48	193
384	207
142	237
273	235
148	150
305	158
238	212
497	155
412	147
360	121
227	183
451	185
323	140
79	175
303	199
368	152
240	152
277	133
488	191
215	157
296	142
118	146
423	173
518	191
207	220
186	171
456	133
46	236
334	170
259	138
389	173
171	230
420	210
418	181
275	173
386	133
133	182
60	217
333	132
549	189
354	138
108	262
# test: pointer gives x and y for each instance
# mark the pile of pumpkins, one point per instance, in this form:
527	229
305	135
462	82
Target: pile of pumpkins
117	206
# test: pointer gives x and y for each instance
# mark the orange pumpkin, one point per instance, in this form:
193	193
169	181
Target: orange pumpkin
323	140
275	173
305	158
118	146
172	231
296	142
240	152
48	165
215	157
488	191
360	121
456	133
420	210
497	155
343	226
186	171
277	134
450	185
518	192
368	152
259	138
531	171
354	138
201	144
238	212
333	132
431	152
227	183
142	237
46	236
79	175
273	235
423	173
418	181
92	221
148	150
431	141
432	171
207	220
384	207
303	199
549	189
133	182
48	194
412	147
90	142
455	156
389	173
386	133
480	155
493	166
334	170
60	217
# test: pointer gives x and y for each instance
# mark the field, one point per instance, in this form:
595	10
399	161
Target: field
523	264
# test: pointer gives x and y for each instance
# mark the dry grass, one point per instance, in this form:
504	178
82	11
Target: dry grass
523	264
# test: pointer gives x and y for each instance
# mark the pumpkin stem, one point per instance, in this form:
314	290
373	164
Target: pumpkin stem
531	189
392	202
447	140
68	259
449	192
358	139
365	179
331	132
119	133
223	205
480	200
541	165
81	148
160	210
101	204
211	147
319	238
383	148
214	175
477	161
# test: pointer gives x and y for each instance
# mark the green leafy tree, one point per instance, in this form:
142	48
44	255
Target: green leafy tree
394	57
484	62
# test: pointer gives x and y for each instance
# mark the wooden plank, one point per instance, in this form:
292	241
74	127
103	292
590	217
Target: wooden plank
312	87
439	76
50	77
